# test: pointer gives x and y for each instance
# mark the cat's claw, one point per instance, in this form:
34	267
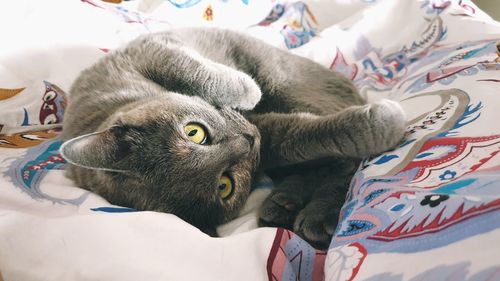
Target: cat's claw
316	223
280	209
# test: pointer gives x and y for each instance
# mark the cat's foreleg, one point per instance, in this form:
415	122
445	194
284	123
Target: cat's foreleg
355	132
183	69
362	131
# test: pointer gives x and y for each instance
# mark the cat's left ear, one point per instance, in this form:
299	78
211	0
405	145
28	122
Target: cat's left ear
98	151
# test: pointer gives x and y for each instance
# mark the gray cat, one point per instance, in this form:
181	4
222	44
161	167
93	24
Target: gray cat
181	121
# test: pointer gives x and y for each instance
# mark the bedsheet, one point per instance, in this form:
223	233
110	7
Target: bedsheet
427	210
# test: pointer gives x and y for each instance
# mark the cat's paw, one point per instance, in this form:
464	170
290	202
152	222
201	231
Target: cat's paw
280	209
388	121
247	93
234	89
317	222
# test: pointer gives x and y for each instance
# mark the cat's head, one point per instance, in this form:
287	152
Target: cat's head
173	154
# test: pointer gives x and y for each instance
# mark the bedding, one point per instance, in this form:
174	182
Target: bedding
427	210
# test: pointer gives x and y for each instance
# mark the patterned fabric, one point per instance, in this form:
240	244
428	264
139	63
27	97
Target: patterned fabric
235	14
428	210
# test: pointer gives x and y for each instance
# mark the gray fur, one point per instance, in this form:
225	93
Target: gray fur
307	124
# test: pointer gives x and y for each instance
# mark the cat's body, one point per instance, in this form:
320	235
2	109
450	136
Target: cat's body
137	107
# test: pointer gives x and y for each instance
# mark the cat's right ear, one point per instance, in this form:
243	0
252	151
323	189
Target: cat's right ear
98	151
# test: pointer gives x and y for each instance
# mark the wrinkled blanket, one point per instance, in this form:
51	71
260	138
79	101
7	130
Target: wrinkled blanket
427	210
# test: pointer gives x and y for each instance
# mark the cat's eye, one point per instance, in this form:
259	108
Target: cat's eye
196	133
225	187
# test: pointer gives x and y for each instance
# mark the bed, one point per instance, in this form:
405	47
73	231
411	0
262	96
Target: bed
427	210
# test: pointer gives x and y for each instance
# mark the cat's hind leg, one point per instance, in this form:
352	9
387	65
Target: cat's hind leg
317	221
310	203
285	202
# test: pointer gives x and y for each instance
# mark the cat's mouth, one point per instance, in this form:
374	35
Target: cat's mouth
253	140
238	175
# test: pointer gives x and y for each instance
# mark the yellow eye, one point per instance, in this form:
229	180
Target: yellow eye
225	187
196	133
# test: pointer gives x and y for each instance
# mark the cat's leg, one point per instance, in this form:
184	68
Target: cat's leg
181	68
309	204
356	132
238	71
284	203
317	221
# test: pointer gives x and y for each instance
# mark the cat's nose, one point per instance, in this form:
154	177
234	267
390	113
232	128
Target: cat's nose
250	138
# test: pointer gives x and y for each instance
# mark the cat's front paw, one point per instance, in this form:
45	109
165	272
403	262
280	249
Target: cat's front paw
280	209
388	124
317	222
232	88
246	93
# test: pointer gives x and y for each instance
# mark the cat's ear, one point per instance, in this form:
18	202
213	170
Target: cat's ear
99	150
